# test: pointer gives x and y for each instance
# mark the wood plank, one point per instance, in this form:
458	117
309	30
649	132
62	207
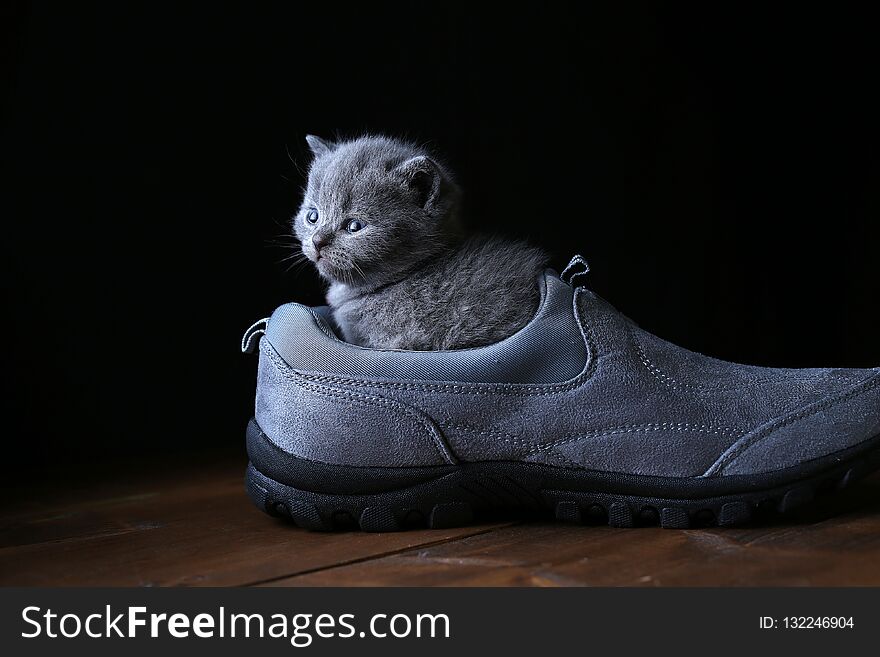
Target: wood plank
111	507
817	547
62	490
195	526
184	530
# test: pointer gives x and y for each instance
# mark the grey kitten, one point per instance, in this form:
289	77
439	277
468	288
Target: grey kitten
380	221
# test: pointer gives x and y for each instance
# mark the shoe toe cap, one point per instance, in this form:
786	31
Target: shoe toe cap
839	420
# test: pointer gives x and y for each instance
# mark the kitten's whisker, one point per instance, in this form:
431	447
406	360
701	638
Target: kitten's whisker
286	235
296	257
357	268
283	225
296	265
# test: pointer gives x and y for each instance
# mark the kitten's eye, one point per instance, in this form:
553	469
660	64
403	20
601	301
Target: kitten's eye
312	216
354	225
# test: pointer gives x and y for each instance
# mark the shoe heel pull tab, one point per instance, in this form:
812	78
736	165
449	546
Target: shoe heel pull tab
575	274
251	337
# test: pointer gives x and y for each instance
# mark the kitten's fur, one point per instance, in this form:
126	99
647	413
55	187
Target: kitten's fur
408	279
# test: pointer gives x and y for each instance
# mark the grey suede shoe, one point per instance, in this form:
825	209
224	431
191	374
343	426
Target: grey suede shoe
580	412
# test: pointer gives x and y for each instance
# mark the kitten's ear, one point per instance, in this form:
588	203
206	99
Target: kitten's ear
422	175
319	146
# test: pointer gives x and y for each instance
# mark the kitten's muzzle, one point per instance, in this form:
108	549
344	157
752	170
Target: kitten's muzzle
320	240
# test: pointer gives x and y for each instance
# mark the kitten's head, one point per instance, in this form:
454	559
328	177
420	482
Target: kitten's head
374	207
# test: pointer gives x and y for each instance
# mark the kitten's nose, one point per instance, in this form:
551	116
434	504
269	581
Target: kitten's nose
320	240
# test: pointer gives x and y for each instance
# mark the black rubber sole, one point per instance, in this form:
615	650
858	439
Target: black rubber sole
319	496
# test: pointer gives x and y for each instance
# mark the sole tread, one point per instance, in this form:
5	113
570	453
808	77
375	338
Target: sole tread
734	513
794	498
674	518
452	499
379	519
620	515
568	512
452	514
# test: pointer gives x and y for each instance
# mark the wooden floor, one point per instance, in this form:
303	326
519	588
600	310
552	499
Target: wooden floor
175	528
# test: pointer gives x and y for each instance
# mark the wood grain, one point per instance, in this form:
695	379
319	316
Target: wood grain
836	543
190	531
195	526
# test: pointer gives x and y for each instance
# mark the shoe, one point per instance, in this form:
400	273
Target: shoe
580	413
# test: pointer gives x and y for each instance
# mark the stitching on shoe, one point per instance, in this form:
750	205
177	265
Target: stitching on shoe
597	433
493	433
484	388
744	443
635	428
671	382
368	400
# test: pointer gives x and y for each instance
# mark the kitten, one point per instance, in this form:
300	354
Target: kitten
380	221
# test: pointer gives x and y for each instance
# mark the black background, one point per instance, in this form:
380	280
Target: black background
720	171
